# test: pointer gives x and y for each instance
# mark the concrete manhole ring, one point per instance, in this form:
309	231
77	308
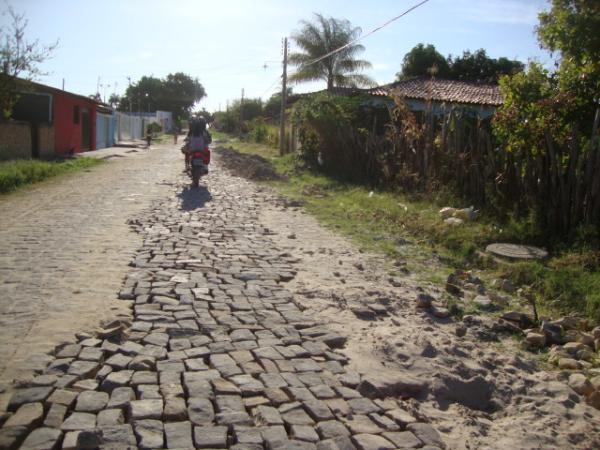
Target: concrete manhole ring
517	251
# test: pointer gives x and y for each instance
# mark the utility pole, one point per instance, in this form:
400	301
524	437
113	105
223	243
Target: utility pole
129	85
241	111
283	98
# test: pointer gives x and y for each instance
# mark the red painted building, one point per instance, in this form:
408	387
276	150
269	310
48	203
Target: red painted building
72	116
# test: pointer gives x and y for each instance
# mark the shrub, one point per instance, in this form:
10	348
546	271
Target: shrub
14	174
258	130
153	127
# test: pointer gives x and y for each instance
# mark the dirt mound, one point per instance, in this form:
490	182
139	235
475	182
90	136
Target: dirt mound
251	167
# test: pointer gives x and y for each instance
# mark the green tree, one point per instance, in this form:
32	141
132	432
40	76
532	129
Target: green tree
420	60
182	92
114	100
176	93
251	109
318	38
476	66
479	67
205	113
571	28
19	60
550	121
272	107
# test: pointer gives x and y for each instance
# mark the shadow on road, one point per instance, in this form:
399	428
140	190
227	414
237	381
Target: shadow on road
194	197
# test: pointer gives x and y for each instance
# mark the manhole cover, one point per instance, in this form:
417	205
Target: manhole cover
516	251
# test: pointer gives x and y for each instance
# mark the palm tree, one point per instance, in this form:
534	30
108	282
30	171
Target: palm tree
321	37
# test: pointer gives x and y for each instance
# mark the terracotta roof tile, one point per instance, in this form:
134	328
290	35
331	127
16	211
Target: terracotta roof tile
424	88
443	91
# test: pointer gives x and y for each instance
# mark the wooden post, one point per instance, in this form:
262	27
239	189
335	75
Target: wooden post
241	111
283	99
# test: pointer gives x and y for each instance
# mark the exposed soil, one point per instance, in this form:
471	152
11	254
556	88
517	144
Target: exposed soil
483	393
251	167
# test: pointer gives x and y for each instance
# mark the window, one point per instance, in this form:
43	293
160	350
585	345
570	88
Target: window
75	114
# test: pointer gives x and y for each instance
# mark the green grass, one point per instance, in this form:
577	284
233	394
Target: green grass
18	173
408	229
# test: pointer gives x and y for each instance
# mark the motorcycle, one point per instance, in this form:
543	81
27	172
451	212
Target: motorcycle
199	165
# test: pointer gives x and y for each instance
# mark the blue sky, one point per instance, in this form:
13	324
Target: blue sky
226	43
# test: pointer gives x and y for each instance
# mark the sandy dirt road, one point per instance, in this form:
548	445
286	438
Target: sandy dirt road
64	248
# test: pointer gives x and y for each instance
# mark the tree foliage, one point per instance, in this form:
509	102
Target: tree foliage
549	121
572	28
420	60
479	67
476	66
176	92
316	39
229	121
272	107
20	59
114	100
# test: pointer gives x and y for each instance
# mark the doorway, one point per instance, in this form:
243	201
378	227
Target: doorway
86	142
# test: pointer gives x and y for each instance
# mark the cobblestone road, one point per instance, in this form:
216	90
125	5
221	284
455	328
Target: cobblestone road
217	355
64	250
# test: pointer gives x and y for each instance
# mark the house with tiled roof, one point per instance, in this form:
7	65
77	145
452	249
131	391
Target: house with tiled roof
421	93
443	95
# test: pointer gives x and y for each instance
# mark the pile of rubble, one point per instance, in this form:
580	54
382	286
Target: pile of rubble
573	345
574	349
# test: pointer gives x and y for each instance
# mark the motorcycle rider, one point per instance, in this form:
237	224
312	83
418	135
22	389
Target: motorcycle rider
198	139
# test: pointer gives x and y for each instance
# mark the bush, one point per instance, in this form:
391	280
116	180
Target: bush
153	127
262	132
332	136
226	121
258	130
14	174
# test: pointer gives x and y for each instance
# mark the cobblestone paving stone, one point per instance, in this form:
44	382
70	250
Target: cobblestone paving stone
217	355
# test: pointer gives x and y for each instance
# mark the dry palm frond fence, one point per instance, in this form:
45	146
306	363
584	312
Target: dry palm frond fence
457	151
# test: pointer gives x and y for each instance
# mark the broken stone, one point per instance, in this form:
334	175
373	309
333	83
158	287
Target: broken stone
149	433
28	415
91	401
427	434
42	439
580	384
424	301
391	385
371	441
535	340
179	435
29	395
79	421
146	409
210	437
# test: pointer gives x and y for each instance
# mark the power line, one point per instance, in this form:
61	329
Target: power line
320	58
271	86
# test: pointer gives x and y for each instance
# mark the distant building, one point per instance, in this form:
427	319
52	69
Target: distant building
443	95
421	93
72	116
49	122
